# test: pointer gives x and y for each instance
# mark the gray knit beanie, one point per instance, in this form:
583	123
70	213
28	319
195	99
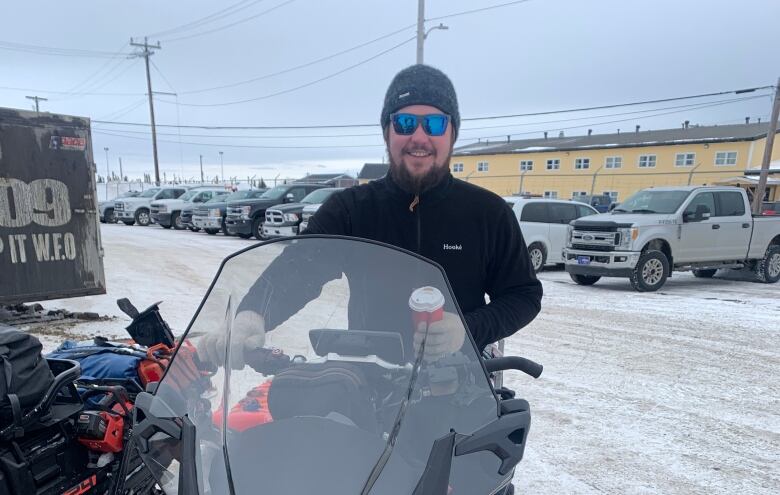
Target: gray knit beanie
421	85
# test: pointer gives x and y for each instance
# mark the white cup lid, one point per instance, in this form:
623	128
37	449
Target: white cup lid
426	299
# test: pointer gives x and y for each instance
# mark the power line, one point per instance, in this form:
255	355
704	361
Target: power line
603	107
98	85
296	88
119	53
227	11
298	67
54	51
476	10
590	124
251	146
693	106
240	21
346	126
57	92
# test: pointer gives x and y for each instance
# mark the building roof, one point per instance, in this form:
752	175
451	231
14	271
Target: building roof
662	137
373	171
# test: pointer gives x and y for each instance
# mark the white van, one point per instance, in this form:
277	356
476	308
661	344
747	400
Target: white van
544	223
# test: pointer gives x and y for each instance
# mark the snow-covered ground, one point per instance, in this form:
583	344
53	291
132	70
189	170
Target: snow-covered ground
670	392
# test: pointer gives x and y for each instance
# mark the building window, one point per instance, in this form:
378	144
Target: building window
551	194
614	162
646	161
581	163
611	194
726	158
526	165
457	167
554	164
575	194
482	166
684	159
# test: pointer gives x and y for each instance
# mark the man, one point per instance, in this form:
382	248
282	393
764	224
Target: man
420	207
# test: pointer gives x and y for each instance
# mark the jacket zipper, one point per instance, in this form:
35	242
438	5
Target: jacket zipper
416	203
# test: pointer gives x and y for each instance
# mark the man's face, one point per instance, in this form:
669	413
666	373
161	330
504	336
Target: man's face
419	161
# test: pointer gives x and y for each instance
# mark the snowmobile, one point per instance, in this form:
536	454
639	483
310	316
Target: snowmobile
319	385
75	438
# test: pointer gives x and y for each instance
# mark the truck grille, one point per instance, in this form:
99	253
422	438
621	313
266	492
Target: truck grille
595	228
200	212
595	240
119	206
274	217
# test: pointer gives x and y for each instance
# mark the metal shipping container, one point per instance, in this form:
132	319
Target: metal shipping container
49	236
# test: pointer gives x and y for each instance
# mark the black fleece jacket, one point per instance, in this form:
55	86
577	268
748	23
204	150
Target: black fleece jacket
471	232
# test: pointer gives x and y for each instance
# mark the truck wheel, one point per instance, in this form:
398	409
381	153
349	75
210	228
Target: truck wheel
194	229
538	256
257	229
142	217
109	216
176	221
650	272
705	273
211	231
768	269
584	279
128	222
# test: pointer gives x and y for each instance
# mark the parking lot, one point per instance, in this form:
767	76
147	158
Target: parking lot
668	392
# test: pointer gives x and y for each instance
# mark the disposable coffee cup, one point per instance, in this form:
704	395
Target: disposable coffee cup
427	305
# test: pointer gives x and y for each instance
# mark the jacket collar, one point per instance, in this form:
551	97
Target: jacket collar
436	193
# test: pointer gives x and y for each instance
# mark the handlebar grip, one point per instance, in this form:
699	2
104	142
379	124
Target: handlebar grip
266	361
514	363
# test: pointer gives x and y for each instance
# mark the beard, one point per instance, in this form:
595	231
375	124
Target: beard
418	184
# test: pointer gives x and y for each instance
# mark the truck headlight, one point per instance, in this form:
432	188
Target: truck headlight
627	236
306	216
215	213
290	217
245	210
162	209
569	230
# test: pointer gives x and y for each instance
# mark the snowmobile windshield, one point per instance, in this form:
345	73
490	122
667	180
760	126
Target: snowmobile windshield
301	373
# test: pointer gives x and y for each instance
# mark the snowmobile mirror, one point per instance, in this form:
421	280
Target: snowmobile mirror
505	437
147	328
152	415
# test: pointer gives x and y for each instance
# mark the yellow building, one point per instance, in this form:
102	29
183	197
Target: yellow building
620	164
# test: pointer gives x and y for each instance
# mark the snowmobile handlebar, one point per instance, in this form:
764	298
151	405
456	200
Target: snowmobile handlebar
514	363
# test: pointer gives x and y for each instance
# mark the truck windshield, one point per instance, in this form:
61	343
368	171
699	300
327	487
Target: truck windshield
188	195
275	193
650	201
319	196
149	193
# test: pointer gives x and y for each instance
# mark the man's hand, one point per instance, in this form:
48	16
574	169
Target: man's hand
444	336
248	332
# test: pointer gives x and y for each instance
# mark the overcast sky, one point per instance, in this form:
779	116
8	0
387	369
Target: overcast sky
536	56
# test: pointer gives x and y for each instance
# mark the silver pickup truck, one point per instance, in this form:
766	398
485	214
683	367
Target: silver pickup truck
660	230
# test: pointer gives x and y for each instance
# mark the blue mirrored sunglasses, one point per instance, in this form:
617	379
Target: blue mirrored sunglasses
434	124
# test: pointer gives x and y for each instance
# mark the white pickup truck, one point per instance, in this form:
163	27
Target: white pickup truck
660	230
136	210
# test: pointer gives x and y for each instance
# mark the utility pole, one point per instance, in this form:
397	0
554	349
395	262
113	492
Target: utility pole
36	99
146	53
201	170
420	30
770	141
222	167
121	175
